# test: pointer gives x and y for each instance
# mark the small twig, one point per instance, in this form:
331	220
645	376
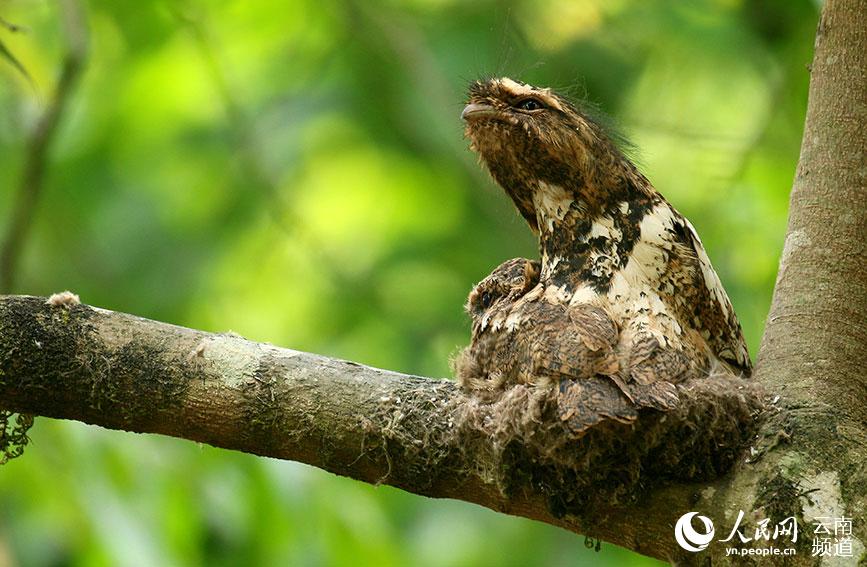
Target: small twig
248	147
14	28
415	59
242	127
38	147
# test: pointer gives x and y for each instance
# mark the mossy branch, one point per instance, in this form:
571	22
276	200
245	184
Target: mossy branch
514	455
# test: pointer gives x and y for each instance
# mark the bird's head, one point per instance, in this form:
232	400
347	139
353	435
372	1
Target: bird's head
509	281
531	138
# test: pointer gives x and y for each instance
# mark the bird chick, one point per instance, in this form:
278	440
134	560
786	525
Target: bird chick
498	291
609	241
494	297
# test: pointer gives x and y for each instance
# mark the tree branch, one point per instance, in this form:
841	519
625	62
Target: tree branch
611	472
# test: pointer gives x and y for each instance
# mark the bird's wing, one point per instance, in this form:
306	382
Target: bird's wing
570	342
725	338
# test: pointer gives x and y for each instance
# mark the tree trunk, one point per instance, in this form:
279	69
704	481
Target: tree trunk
810	458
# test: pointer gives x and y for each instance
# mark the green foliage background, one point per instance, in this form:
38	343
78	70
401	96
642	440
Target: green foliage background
295	171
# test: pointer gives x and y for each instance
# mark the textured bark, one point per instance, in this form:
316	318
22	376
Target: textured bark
817	319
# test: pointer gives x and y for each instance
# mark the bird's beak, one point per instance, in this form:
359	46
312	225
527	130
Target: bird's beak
477	110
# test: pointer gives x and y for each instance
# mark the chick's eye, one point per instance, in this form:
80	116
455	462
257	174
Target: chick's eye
530	104
486	300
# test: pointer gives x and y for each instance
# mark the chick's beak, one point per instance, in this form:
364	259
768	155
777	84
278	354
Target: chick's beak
477	110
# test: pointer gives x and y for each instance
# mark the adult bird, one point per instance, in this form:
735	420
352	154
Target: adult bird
608	239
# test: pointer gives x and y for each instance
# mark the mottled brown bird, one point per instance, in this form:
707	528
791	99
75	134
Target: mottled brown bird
520	338
610	244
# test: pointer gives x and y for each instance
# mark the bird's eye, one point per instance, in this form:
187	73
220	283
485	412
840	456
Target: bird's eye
486	300
530	104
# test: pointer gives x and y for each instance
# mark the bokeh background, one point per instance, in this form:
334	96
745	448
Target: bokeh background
295	171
